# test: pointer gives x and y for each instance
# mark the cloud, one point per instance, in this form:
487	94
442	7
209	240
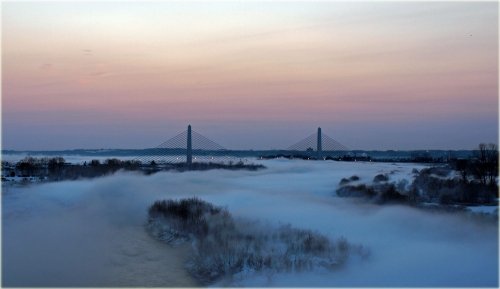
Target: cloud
46	66
87	52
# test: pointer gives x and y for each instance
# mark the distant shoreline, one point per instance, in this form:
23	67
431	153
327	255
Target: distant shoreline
375	155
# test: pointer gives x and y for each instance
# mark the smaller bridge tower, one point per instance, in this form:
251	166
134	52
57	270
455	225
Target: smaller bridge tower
319	149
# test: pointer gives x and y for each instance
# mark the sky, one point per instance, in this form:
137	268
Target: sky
249	75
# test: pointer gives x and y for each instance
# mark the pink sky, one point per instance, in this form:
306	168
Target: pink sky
380	75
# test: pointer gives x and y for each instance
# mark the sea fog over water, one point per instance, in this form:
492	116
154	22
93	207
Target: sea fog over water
91	233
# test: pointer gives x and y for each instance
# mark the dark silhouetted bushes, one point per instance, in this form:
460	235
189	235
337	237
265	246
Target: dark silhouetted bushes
381	194
431	185
56	169
356	191
380	178
224	246
345	181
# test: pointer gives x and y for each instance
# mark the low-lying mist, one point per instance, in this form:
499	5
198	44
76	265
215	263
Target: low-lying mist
91	232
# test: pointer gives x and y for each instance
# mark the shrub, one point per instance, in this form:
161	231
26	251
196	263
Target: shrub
431	185
223	245
354	178
389	194
359	191
380	178
344	181
451	191
402	185
438	171
55	165
381	193
28	166
188	218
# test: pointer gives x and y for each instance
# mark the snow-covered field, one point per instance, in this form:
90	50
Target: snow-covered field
90	233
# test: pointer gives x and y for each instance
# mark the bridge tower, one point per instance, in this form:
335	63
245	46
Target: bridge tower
189	152
319	148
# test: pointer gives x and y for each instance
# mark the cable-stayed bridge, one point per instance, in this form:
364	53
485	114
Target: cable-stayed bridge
190	146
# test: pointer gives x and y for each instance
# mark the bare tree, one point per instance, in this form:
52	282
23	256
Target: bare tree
492	163
462	166
486	167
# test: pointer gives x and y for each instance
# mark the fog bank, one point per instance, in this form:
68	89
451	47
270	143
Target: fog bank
90	232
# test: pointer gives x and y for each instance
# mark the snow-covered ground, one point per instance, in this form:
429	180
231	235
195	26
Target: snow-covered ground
90	233
483	209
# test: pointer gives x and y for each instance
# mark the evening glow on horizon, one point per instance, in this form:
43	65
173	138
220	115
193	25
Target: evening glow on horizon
374	75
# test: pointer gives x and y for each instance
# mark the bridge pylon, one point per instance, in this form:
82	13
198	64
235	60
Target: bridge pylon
325	146
319	149
189	150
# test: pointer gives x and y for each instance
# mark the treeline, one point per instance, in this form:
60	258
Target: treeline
471	181
415	157
428	187
56	168
482	167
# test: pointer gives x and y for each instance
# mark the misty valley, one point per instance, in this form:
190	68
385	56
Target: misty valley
250	144
272	222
